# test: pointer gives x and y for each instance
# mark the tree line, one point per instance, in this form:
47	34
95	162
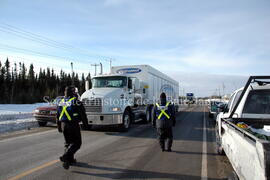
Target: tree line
22	85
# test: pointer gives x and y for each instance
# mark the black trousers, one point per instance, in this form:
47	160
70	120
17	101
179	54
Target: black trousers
73	139
165	135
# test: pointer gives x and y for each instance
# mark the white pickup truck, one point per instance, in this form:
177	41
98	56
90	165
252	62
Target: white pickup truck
247	113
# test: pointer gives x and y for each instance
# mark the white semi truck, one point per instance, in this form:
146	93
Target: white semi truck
242	130
126	95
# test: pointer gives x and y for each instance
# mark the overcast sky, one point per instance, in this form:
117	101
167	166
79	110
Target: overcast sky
209	46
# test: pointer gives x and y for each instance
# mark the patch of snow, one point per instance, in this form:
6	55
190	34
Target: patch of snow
15	125
19	108
15	117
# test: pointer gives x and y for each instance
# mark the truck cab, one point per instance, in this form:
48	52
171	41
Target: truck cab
253	104
110	99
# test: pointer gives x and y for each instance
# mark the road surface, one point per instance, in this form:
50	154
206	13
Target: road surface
106	154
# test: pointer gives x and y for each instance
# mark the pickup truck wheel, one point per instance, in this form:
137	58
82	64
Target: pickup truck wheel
42	123
126	121
219	148
233	176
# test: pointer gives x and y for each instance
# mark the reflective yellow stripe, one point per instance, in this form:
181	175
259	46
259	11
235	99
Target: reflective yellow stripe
163	111
64	110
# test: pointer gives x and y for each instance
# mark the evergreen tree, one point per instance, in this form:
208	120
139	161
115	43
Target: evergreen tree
31	83
21	86
1	82
7	84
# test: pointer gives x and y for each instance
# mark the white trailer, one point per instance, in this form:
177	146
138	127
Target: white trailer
127	94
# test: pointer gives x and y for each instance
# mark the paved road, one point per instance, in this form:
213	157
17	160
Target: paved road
111	155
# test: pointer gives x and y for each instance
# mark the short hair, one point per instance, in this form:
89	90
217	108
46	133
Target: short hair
163	95
69	91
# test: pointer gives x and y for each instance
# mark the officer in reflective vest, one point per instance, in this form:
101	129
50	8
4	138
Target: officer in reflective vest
164	120
70	112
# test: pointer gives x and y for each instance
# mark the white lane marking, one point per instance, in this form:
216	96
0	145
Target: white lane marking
28	135
204	150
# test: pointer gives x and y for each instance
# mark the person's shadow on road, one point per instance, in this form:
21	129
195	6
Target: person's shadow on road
118	173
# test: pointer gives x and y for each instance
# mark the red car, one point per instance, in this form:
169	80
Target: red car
47	114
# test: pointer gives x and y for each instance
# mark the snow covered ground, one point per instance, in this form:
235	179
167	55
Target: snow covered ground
15	117
19	108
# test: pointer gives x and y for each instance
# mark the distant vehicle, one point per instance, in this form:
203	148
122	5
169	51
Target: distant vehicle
190	98
45	114
127	94
243	132
214	108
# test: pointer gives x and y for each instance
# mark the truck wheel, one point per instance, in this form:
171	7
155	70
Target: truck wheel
219	148
148	116
126	121
42	123
233	176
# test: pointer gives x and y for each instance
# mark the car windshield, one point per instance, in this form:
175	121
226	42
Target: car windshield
258	102
215	105
112	81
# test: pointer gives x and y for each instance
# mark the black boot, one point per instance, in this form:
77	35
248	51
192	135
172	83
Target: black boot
73	161
66	165
169	145
162	146
65	161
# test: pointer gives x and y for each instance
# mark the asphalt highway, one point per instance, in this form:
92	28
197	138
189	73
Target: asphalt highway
108	154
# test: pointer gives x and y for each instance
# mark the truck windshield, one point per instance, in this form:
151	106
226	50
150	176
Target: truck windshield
112	81
258	102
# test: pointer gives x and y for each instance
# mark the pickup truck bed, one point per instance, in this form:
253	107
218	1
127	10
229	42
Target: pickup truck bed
249	155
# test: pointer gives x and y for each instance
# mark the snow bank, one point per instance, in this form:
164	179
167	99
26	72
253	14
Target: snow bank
15	117
19	108
15	125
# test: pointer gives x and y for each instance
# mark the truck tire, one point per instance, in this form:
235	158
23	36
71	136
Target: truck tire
42	123
233	176
147	118
219	148
126	121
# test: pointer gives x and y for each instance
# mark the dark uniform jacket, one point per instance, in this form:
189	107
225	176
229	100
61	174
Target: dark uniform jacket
164	122
76	111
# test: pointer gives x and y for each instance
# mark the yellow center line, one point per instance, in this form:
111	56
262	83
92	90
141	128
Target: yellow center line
33	170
